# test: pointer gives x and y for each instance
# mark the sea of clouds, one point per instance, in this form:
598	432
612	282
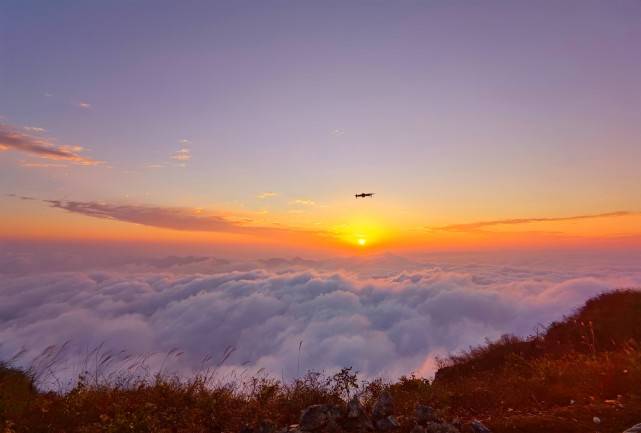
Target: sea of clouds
383	315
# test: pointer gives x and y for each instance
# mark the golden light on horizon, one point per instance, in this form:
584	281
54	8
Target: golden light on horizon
360	233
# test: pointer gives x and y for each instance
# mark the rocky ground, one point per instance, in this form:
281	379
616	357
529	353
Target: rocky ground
354	418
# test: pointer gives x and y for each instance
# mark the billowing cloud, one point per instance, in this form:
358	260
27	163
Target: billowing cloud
478	225
386	325
13	139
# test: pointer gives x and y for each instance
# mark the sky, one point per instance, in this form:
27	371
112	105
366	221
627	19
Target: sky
183	175
255	123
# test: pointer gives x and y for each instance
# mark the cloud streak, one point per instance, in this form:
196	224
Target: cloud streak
267	194
12	139
175	218
182	155
479	225
303	202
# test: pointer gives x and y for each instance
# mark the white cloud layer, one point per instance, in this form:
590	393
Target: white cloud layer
389	324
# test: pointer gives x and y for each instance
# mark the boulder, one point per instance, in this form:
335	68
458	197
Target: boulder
479	427
424	414
438	427
387	423
355	408
357	418
265	426
634	429
289	429
383	406
319	416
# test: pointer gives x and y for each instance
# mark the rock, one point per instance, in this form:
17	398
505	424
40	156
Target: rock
634	429
265	426
437	427
387	423
479	427
424	414
596	420
458	423
246	429
290	429
355	409
319	416
418	429
357	418
383	406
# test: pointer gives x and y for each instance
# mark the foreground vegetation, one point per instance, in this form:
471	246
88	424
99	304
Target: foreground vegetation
583	374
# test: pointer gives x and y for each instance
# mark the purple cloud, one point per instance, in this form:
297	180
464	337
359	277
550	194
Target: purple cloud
478	225
12	139
174	218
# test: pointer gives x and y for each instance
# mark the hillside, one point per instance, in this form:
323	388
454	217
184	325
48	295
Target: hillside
583	374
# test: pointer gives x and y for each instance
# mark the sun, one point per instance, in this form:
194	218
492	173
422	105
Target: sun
362	242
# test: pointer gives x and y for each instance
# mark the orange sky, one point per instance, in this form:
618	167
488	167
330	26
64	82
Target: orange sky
325	229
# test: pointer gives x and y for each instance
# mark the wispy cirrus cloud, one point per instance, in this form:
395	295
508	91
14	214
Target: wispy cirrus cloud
479	225
182	155
29	164
175	218
84	105
267	194
34	129
13	139
303	202
21	197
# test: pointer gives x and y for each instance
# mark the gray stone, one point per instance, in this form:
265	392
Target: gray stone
355	409
293	428
458	423
634	429
265	426
357	418
387	423
423	414
437	427
319	416
479	427
383	406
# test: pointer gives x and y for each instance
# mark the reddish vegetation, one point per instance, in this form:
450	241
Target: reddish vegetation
586	366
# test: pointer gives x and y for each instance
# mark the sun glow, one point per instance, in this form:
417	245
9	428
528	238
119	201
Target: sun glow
360	233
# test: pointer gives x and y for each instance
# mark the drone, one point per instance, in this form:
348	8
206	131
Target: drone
365	194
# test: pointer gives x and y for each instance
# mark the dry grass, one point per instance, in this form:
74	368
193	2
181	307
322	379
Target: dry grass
587	365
